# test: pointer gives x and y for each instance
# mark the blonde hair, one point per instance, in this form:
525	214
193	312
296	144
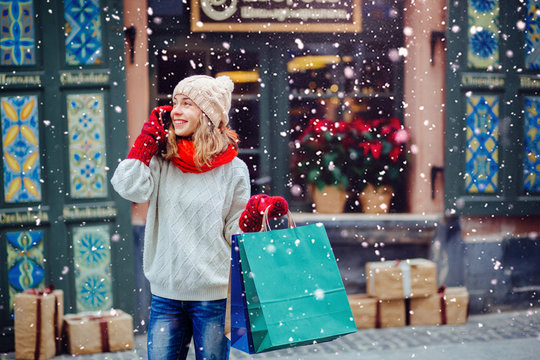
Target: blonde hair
209	141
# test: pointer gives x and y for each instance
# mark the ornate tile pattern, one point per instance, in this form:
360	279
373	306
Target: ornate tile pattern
532	35
87	159
25	265
17	40
482	153
531	158
483	28
83	32
20	143
92	259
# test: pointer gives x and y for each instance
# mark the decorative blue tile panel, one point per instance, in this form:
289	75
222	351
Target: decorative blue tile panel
531	158
17	41
482	153
87	155
532	35
25	264
92	259
20	143
83	32
483	30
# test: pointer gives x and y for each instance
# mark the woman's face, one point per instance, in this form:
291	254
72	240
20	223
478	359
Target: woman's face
185	116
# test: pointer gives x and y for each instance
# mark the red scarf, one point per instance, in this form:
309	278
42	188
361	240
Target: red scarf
186	161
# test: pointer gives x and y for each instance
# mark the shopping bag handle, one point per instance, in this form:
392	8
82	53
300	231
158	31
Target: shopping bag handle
265	226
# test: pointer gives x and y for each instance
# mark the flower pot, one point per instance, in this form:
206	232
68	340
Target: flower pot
329	200
376	200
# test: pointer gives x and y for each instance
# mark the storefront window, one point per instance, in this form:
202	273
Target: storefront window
342	87
286	79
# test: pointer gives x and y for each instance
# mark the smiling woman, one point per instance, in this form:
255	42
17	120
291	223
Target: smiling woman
185	163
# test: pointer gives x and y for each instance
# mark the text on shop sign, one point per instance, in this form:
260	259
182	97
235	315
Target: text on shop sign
276	15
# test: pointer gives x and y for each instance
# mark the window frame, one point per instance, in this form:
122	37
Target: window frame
509	199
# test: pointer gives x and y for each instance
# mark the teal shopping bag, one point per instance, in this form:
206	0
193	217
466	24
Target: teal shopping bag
293	290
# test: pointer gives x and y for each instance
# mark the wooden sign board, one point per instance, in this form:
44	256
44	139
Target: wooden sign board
336	16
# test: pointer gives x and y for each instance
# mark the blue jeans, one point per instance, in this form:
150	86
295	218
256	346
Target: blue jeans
173	323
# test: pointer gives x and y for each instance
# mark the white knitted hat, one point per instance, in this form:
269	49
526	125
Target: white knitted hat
211	95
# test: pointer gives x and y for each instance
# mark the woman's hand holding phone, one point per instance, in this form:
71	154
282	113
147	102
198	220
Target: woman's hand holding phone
155	126
153	136
165	116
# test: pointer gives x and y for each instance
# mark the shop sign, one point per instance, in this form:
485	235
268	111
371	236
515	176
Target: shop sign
78	212
84	78
482	81
276	15
529	82
10	217
19	80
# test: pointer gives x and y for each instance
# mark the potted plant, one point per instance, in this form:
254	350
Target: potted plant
322	157
378	160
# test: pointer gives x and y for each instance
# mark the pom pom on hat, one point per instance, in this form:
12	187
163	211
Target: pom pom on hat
226	82
212	95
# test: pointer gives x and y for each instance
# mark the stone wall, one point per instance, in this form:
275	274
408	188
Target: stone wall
501	272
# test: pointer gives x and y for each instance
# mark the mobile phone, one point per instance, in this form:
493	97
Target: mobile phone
166	119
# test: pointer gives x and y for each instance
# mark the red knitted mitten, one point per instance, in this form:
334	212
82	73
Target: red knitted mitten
152	136
251	218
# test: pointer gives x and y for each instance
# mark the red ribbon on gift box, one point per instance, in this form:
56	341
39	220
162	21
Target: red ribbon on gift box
441	292
378	315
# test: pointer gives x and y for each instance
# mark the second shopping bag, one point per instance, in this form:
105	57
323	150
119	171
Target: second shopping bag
286	290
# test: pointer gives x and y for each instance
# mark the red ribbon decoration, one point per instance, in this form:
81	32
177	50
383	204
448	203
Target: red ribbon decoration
46	290
104	329
378	315
57	335
442	301
38	327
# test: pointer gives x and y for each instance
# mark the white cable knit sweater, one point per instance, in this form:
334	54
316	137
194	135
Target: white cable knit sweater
190	221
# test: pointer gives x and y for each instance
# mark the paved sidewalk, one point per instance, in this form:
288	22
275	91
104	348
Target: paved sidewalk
509	335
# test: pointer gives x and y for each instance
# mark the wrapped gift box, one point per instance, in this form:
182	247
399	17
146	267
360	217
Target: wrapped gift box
391	313
364	309
369	312
448	306
388	280
38	323
90	333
